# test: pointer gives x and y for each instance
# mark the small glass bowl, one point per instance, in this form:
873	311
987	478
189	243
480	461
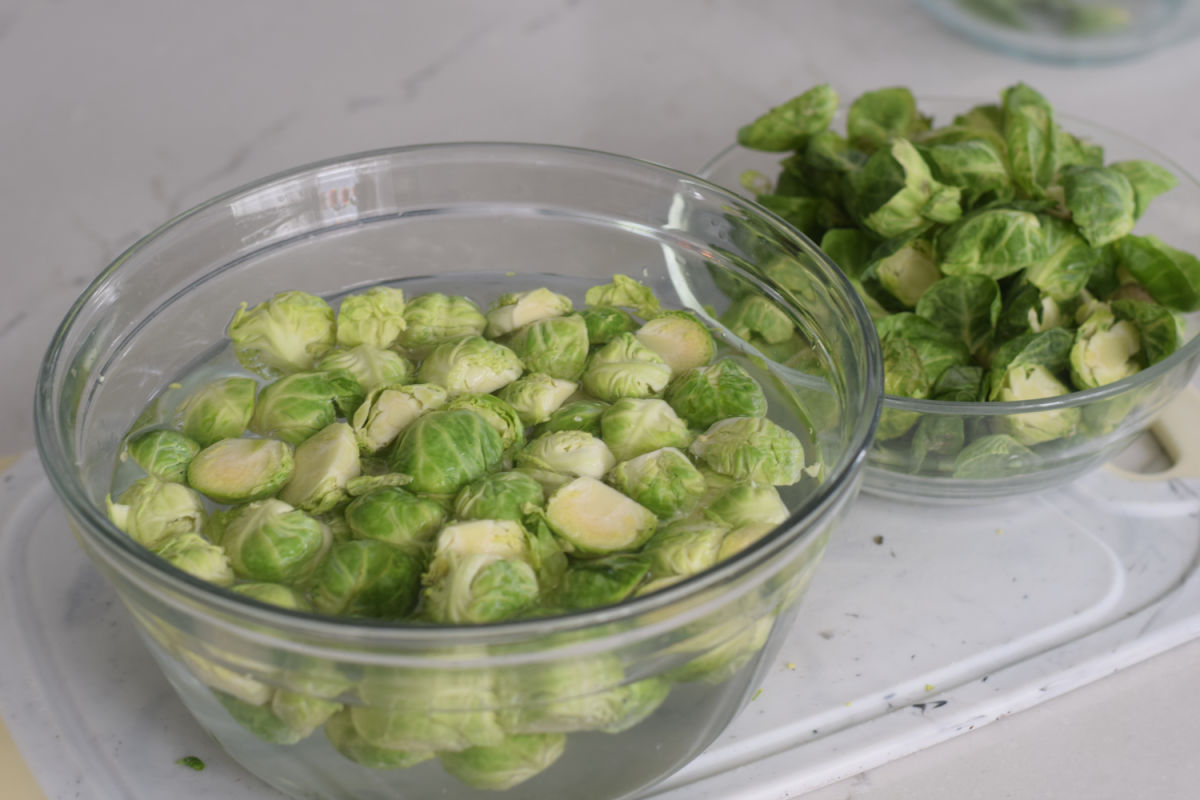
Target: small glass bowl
1110	416
454	218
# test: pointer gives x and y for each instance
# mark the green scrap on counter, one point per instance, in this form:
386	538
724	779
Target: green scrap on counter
192	762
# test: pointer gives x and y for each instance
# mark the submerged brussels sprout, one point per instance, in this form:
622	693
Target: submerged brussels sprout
663	480
445	450
374	317
497	413
753	316
372	367
295	407
366	578
164	454
346	739
536	396
624	292
723	651
1033	382
284	334
480	587
685	547
516	310
274	594
470	364
606	323
395	516
595	518
751	448
302	713
269	540
632	426
260	720
433	318
580	415
680	338
241	470
426	709
219	409
569	453
601	581
996	456
388	410
502	766
325	463
500	495
746	503
557	346
703	395
625	368
197	556
152	511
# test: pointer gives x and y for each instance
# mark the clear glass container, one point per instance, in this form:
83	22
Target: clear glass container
458	218
1109	417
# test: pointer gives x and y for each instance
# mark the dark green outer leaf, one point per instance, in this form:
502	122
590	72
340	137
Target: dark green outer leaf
1031	138
1069	261
997	242
1101	201
965	306
1149	180
1157	327
788	126
1171	276
875	117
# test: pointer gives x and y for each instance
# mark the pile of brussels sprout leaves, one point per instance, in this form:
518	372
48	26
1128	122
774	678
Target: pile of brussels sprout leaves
996	255
417	459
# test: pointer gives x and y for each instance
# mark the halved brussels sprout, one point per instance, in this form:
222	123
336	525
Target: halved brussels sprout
275	594
164	454
578	415
241	470
516	310
445	450
445	710
742	537
395	516
595	518
500	495
497	413
480	587
751	448
568	453
536	396
470	364
1105	350
269	540
606	323
295	407
703	395
502	766
374	317
633	426
152	511
491	537
624	292
302	713
197	556
557	346
260	720
433	318
1033	382
625	368
746	503
372	367
220	409
685	547
663	480
388	410
601	581
325	463
284	334
753	316
366	578
680	339
345	738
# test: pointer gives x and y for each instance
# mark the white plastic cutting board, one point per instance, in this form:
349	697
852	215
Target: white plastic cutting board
922	623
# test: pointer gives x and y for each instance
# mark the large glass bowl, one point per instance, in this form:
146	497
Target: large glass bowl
1111	416
466	219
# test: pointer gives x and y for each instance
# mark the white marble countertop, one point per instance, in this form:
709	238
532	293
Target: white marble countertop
118	115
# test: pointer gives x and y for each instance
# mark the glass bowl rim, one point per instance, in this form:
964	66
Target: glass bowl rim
95	526
992	408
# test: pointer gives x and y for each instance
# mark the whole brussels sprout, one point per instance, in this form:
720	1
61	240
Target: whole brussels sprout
742	537
425	709
325	463
663	480
301	712
1105	350
496	412
751	448
747	502
433	318
753	316
198	557
723	650
388	410
366	578
372	367
260	720
536	396
470	364
516	310
625	368
568	453
344	737
491	537
633	426
580	415
219	409
624	292
284	334
445	450
594	518
164	454
500	495
269	540
395	516
295	407
605	323
374	317
704	395
481	587
274	594
685	547
152	511
680	339
241	470
502	766
557	346
1032	382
